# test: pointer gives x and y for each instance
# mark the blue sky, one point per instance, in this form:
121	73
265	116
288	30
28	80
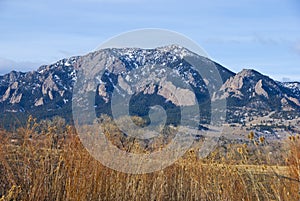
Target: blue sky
259	34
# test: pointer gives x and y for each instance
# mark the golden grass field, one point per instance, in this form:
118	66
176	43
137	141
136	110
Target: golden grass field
52	164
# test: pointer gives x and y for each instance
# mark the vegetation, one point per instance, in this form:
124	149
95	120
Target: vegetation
46	161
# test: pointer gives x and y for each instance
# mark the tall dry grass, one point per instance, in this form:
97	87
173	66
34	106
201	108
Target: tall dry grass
55	166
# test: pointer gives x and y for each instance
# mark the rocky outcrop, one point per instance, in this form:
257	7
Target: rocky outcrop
16	98
39	102
49	85
12	94
178	96
259	89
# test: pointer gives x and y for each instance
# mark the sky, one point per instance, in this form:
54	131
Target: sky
257	34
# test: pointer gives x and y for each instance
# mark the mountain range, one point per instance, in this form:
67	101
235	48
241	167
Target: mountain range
47	92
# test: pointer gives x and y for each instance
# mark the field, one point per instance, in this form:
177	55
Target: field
39	162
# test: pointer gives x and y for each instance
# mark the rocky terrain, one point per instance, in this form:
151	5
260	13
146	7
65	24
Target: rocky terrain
47	92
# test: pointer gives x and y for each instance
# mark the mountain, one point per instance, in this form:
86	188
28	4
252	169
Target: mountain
251	89
257	95
48	91
293	86
43	93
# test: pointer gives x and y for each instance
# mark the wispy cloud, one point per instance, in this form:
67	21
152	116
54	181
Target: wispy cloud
259	39
6	65
296	47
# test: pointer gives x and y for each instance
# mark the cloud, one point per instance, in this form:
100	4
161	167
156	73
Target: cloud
234	39
259	39
286	79
7	65
297	47
268	40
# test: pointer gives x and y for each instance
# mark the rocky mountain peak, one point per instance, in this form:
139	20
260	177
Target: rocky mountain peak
249	73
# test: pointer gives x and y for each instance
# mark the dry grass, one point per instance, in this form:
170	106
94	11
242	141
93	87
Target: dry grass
55	166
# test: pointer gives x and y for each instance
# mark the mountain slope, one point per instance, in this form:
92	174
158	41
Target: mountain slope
251	89
48	91
293	86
